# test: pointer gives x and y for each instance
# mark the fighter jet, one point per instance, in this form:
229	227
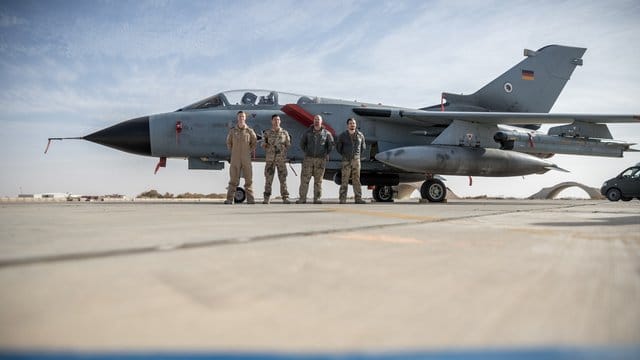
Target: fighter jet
492	132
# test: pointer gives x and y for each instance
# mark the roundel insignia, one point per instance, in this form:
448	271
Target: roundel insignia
508	87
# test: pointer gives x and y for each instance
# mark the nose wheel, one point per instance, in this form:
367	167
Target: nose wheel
240	195
433	190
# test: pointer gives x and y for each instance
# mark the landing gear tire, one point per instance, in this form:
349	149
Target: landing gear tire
433	190
337	178
383	193
240	195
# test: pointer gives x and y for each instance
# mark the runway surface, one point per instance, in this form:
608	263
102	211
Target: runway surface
467	274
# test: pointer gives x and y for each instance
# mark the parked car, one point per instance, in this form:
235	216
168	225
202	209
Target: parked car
625	186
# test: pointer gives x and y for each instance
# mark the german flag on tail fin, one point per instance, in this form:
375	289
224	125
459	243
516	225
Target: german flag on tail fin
527	75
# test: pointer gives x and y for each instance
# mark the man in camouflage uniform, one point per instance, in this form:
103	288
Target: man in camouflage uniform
241	142
350	145
276	143
316	144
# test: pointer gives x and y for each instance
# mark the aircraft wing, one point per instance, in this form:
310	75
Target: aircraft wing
578	125
437	117
433	118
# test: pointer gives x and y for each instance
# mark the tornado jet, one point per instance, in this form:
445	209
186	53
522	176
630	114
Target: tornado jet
492	132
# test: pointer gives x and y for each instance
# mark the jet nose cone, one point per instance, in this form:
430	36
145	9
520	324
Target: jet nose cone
131	136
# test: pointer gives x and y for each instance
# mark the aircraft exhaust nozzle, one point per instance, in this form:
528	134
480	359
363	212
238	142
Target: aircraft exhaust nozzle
458	160
131	136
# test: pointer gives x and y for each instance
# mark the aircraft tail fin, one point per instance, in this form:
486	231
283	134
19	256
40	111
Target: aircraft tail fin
532	85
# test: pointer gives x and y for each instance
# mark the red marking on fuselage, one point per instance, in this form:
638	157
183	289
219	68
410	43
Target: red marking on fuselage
303	117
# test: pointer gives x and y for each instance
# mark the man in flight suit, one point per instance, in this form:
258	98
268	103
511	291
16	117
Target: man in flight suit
350	145
316	143
276	143
241	142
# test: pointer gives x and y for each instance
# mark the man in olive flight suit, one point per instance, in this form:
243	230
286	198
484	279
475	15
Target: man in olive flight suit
241	142
350	145
316	143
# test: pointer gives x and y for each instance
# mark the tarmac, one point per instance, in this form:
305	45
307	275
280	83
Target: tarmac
191	276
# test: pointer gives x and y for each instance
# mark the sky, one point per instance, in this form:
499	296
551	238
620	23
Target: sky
69	68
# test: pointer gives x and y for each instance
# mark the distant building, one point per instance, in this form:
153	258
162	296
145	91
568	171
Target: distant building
44	196
553	191
72	197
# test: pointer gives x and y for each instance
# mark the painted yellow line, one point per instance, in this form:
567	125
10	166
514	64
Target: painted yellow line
379	238
385	214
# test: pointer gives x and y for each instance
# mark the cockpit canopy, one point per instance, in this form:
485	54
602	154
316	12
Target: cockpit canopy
244	98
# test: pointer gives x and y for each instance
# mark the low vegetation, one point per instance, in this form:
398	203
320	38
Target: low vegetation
154	194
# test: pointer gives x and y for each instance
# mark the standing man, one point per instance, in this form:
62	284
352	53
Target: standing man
350	145
316	143
276	143
241	142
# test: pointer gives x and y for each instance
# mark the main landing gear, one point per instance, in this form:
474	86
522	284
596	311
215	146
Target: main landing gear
433	190
383	193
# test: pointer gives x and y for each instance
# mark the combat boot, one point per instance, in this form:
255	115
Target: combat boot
301	201
360	201
266	200
317	201
286	201
228	202
343	201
